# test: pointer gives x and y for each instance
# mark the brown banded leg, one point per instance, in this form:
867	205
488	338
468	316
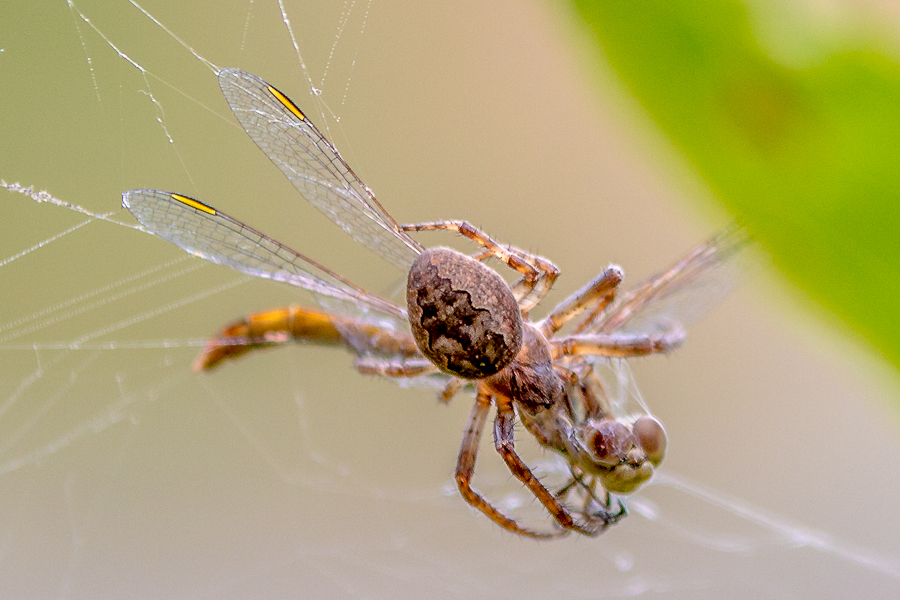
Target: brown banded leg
465	469
538	273
598	293
527	295
482	255
596	314
696	265
412	367
617	345
504	442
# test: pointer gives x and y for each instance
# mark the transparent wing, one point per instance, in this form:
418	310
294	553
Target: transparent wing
313	165
213	235
680	295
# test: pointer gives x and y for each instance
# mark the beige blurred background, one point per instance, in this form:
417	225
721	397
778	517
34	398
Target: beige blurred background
289	475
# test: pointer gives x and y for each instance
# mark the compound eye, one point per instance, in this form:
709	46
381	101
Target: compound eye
609	441
651	436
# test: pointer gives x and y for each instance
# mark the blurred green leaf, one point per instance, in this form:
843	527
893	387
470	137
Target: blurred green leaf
795	128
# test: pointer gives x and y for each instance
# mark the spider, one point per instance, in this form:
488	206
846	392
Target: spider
462	321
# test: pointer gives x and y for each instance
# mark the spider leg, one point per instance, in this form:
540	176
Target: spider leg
617	345
538	273
527	295
703	265
504	441
484	254
465	468
598	292
405	367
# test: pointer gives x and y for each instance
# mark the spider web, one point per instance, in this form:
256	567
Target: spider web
287	474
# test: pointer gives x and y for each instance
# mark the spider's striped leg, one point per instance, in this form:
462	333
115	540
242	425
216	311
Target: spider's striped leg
538	273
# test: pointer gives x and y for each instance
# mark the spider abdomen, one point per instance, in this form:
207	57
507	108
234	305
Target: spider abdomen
463	315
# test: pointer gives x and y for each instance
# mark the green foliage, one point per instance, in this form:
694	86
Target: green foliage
796	131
